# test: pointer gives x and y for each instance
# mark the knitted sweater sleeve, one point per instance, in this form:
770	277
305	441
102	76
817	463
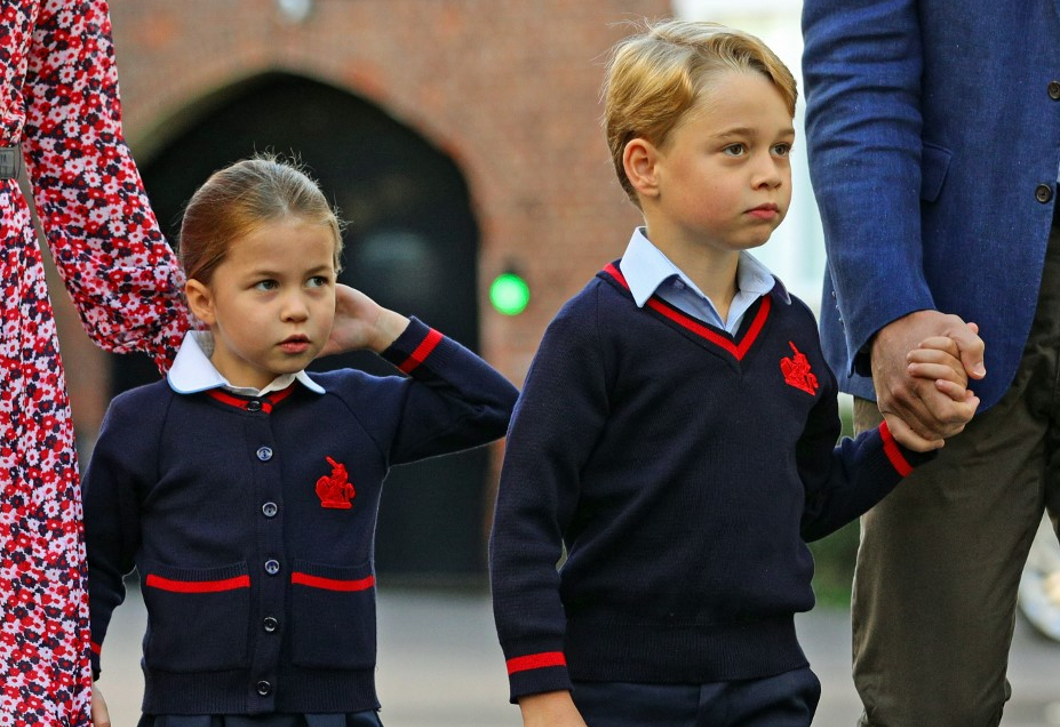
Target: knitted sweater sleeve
843	482
558	420
452	399
123	465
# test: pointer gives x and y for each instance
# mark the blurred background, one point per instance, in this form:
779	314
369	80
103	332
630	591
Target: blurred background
461	141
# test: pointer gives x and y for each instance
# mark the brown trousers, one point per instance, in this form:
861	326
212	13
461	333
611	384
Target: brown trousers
940	558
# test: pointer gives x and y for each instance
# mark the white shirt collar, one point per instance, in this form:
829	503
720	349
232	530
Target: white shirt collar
192	371
645	267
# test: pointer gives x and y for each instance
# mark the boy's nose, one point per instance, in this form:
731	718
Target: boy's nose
769	174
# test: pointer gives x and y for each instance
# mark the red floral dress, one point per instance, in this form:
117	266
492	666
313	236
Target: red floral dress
59	99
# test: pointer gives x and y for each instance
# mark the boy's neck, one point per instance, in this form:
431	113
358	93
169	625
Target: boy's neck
712	270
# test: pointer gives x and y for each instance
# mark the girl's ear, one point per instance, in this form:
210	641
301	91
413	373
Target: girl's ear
640	160
200	301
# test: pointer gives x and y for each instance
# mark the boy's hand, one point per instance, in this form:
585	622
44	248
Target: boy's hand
938	358
550	709
361	323
903	399
100	713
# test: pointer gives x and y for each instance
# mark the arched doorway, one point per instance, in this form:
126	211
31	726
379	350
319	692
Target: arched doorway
411	243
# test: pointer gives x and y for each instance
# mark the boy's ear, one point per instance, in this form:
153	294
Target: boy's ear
199	301
640	159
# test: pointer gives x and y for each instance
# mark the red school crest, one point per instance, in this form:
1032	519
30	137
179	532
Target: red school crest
796	370
335	490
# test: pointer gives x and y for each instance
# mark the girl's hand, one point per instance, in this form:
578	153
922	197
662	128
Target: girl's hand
100	713
361	323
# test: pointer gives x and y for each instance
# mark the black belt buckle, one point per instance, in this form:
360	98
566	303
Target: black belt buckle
10	160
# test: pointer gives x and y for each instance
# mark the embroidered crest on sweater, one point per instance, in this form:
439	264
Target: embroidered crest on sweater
796	370
335	490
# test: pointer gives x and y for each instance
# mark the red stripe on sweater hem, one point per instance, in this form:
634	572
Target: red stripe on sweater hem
168	584
96	648
894	454
536	661
332	584
422	351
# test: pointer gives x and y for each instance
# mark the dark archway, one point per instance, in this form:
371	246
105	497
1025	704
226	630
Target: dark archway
411	243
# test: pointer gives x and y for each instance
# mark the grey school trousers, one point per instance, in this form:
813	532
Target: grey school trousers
940	558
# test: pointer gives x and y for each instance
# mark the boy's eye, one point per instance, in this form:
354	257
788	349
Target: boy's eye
734	150
782	150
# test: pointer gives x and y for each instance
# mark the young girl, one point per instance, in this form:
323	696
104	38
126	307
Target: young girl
245	490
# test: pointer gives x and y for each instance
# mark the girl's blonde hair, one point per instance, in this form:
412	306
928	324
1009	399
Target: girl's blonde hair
243	197
655	76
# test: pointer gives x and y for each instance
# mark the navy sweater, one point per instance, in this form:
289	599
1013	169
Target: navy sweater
683	470
251	522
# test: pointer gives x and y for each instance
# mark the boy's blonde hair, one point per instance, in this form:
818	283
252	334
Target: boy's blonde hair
243	197
655	76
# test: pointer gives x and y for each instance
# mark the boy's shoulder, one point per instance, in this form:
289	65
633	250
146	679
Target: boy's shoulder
607	283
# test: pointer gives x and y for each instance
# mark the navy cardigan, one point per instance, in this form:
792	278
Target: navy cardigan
682	470
251	522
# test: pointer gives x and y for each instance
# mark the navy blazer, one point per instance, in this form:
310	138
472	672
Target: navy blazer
933	130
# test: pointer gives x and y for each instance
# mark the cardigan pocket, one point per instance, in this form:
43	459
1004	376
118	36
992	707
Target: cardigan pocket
333	616
197	618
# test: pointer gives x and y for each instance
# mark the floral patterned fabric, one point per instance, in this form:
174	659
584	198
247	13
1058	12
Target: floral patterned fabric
59	100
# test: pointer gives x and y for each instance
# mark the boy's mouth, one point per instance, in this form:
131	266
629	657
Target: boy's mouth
766	211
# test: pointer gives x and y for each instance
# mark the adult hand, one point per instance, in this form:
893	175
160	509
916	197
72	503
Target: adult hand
918	414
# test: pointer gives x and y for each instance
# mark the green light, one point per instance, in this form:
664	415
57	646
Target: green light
509	294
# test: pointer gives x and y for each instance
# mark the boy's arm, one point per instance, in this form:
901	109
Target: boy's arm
557	422
843	482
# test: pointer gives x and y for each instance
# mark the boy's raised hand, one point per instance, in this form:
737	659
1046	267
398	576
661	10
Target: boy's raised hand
361	323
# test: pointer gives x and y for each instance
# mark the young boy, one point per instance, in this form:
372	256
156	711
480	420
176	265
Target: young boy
676	433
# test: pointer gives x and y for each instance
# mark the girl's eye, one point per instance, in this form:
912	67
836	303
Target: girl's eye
266	285
734	150
317	281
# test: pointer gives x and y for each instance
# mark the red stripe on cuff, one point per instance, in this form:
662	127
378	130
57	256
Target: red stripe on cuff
96	648
894	454
332	584
167	584
422	351
536	661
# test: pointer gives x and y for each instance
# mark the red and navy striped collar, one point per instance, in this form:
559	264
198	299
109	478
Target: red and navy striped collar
736	348
263	404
